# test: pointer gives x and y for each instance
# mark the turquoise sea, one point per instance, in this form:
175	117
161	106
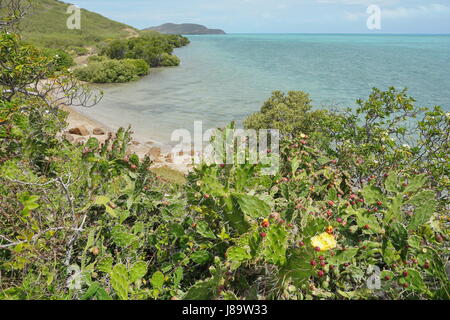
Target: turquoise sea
224	78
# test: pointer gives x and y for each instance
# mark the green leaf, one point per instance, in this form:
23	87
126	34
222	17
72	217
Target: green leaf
372	194
102	200
422	214
415	242
363	219
243	175
252	206
138	271
235	217
415	281
119	281
390	255
237	255
313	226
212	186
157	280
178	276
388	273
275	244
29	203
332	195
110	211
391	182
421	197
201	256
394	211
416	183
101	294
342	257
121	237
204	230
202	290
295	164
105	265
437	264
91	291
398	235
177	230
297	267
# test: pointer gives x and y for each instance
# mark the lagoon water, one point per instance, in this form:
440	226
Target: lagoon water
225	78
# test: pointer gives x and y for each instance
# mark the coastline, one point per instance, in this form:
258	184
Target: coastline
82	127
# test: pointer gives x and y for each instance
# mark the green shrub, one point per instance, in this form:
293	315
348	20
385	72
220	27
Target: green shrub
292	114
111	71
78	51
117	49
61	59
142	67
178	41
169	60
156	49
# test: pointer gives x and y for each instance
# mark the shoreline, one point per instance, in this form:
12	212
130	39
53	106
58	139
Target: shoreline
159	152
82	127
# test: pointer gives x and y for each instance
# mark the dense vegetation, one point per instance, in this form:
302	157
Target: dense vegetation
61	59
156	49
113	71
357	190
126	60
45	25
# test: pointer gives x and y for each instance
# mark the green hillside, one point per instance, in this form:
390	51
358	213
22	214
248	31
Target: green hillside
45	25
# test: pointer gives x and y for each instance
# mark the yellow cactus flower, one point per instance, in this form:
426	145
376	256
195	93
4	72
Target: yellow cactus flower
324	242
329	230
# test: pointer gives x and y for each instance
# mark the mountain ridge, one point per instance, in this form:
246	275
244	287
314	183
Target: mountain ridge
185	29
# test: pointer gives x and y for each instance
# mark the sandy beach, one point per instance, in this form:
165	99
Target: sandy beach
81	128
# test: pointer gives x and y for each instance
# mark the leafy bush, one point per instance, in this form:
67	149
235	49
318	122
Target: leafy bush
62	60
309	233
117	49
178	41
141	66
386	132
79	51
169	60
156	49
292	114
111	71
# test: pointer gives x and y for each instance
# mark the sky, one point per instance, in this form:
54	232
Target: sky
281	16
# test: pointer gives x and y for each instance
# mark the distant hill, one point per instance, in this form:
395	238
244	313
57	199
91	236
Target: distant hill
45	25
185	29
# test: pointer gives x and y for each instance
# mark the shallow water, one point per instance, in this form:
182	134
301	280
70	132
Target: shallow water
224	78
